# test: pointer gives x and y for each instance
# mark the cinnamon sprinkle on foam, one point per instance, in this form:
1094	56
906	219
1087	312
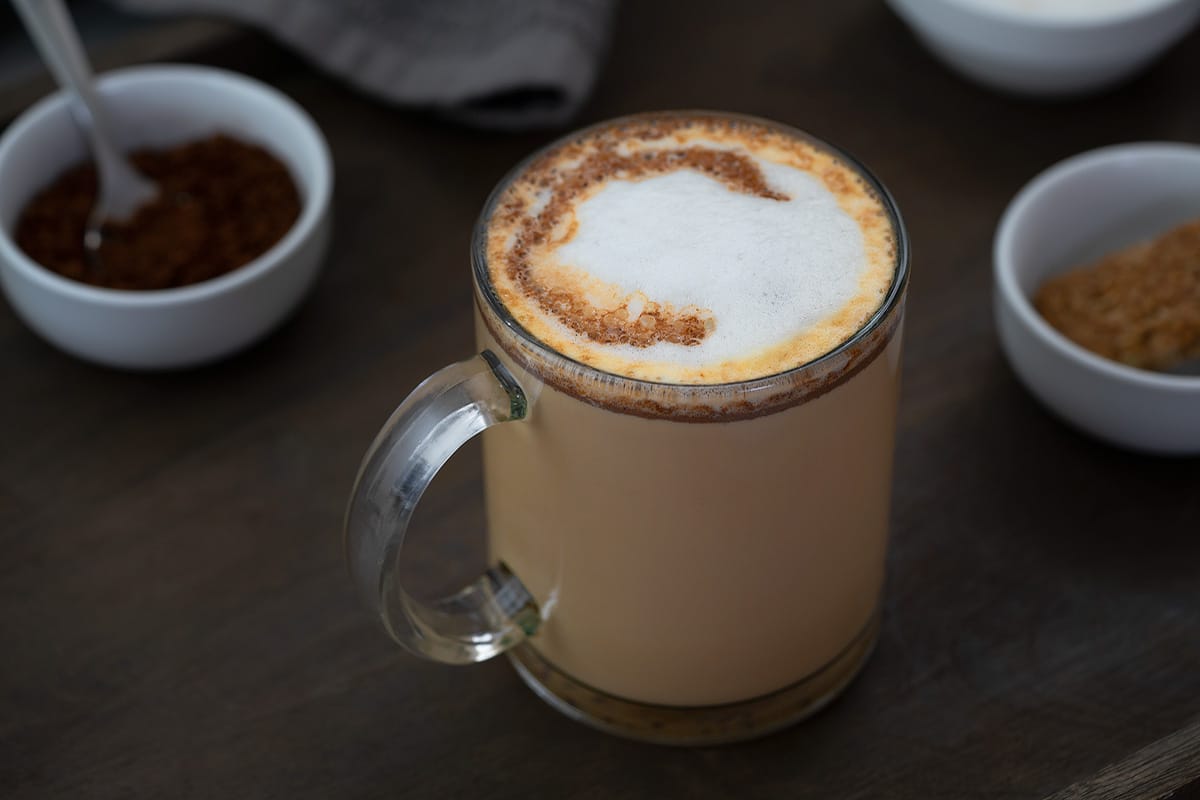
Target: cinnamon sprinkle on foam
607	323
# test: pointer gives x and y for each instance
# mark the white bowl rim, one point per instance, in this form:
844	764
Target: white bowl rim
1011	293
316	201
1111	19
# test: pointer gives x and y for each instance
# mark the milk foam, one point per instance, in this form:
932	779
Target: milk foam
765	269
1064	9
740	253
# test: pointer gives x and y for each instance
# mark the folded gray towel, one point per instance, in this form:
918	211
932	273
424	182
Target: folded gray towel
493	63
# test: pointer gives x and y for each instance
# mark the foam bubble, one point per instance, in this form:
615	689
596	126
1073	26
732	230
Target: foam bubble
694	253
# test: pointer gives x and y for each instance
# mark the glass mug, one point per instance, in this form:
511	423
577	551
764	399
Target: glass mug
684	564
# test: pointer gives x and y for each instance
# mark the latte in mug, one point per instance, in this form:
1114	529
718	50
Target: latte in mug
700	316
690	250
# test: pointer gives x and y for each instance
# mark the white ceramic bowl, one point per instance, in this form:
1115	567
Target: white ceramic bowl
160	106
1072	214
1030	53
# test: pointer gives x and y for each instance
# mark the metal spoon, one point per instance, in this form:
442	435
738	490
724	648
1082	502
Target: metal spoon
122	189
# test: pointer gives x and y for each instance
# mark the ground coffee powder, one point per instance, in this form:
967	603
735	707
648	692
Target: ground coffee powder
222	203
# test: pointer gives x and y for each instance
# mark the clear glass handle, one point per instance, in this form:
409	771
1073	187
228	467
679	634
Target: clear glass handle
496	611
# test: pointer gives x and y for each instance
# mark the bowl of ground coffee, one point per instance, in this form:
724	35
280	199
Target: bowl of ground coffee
1097	293
226	252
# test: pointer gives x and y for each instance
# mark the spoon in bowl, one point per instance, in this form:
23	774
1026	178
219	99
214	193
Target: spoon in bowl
122	190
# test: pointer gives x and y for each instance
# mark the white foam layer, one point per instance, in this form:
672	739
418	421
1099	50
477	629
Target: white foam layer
691	250
1064	9
766	269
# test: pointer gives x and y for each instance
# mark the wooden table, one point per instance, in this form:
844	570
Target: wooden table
176	620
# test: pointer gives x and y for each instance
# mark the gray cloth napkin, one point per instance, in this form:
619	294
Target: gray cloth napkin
493	63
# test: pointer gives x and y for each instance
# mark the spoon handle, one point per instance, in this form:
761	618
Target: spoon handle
58	42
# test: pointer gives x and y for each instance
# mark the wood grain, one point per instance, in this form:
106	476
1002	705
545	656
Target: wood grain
1160	769
176	620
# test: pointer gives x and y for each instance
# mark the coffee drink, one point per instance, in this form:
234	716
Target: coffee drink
690	250
705	311
689	327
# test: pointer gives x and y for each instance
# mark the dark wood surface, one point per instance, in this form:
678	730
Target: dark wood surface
176	621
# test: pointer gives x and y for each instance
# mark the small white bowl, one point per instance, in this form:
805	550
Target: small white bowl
1037	54
1072	214
160	106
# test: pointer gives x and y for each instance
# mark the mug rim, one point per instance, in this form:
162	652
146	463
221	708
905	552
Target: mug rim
896	291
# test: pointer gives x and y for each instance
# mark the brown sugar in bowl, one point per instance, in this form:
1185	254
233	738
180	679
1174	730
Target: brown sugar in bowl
1074	213
162	106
